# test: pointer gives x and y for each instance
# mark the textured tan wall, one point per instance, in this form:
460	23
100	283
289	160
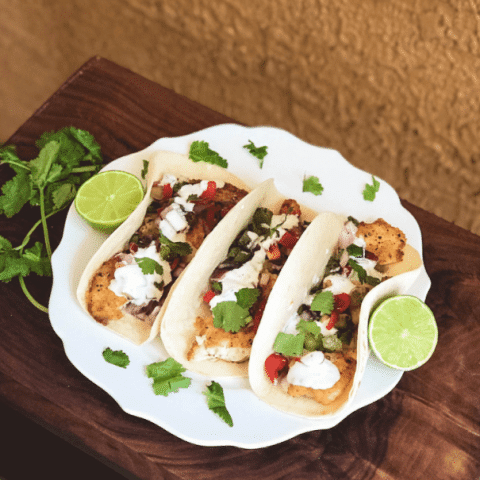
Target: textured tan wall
394	86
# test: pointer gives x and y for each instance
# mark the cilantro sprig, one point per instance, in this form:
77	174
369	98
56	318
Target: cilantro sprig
201	152
323	302
216	402
259	152
232	316
312	184
116	357
149	266
170	250
66	159
371	190
167	376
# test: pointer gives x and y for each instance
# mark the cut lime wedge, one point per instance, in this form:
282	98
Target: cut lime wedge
402	332
107	199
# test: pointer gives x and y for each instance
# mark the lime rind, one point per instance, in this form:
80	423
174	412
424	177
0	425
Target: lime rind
403	332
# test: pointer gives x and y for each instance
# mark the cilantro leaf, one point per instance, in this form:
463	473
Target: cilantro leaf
216	402
355	250
259	152
116	357
145	169
170	250
42	165
230	316
200	152
311	184
62	194
149	266
370	190
261	220
323	302
362	273
14	262
12	265
289	344
167	376
16	193
76	146
303	326
37	260
246	297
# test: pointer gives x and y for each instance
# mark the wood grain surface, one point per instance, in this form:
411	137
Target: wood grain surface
428	427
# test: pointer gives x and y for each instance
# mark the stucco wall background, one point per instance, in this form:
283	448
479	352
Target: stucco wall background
394	86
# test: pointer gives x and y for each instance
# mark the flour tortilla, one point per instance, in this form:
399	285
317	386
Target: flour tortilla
303	270
160	163
186	303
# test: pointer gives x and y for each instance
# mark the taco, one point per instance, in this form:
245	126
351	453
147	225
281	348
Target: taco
311	349
127	283
210	323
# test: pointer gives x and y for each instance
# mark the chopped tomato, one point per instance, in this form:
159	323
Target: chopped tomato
342	302
333	320
273	252
210	191
288	240
371	256
133	247
167	190
274	363
208	296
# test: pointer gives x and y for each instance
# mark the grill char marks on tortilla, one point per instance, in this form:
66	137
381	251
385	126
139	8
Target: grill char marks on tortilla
385	241
102	303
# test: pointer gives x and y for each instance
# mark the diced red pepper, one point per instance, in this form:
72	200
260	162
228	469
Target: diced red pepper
273	252
274	363
342	302
208	296
210	191
288	240
333	320
167	191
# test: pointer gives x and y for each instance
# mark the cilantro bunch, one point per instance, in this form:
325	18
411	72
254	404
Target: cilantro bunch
50	182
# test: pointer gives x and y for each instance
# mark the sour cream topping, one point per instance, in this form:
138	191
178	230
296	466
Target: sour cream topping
130	282
314	371
246	276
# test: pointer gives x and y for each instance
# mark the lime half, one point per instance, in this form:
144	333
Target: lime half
106	200
403	332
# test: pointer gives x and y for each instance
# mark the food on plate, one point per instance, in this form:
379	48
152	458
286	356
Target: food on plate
310	350
127	283
229	283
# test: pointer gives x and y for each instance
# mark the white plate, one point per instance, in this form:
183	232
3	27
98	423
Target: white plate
185	414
